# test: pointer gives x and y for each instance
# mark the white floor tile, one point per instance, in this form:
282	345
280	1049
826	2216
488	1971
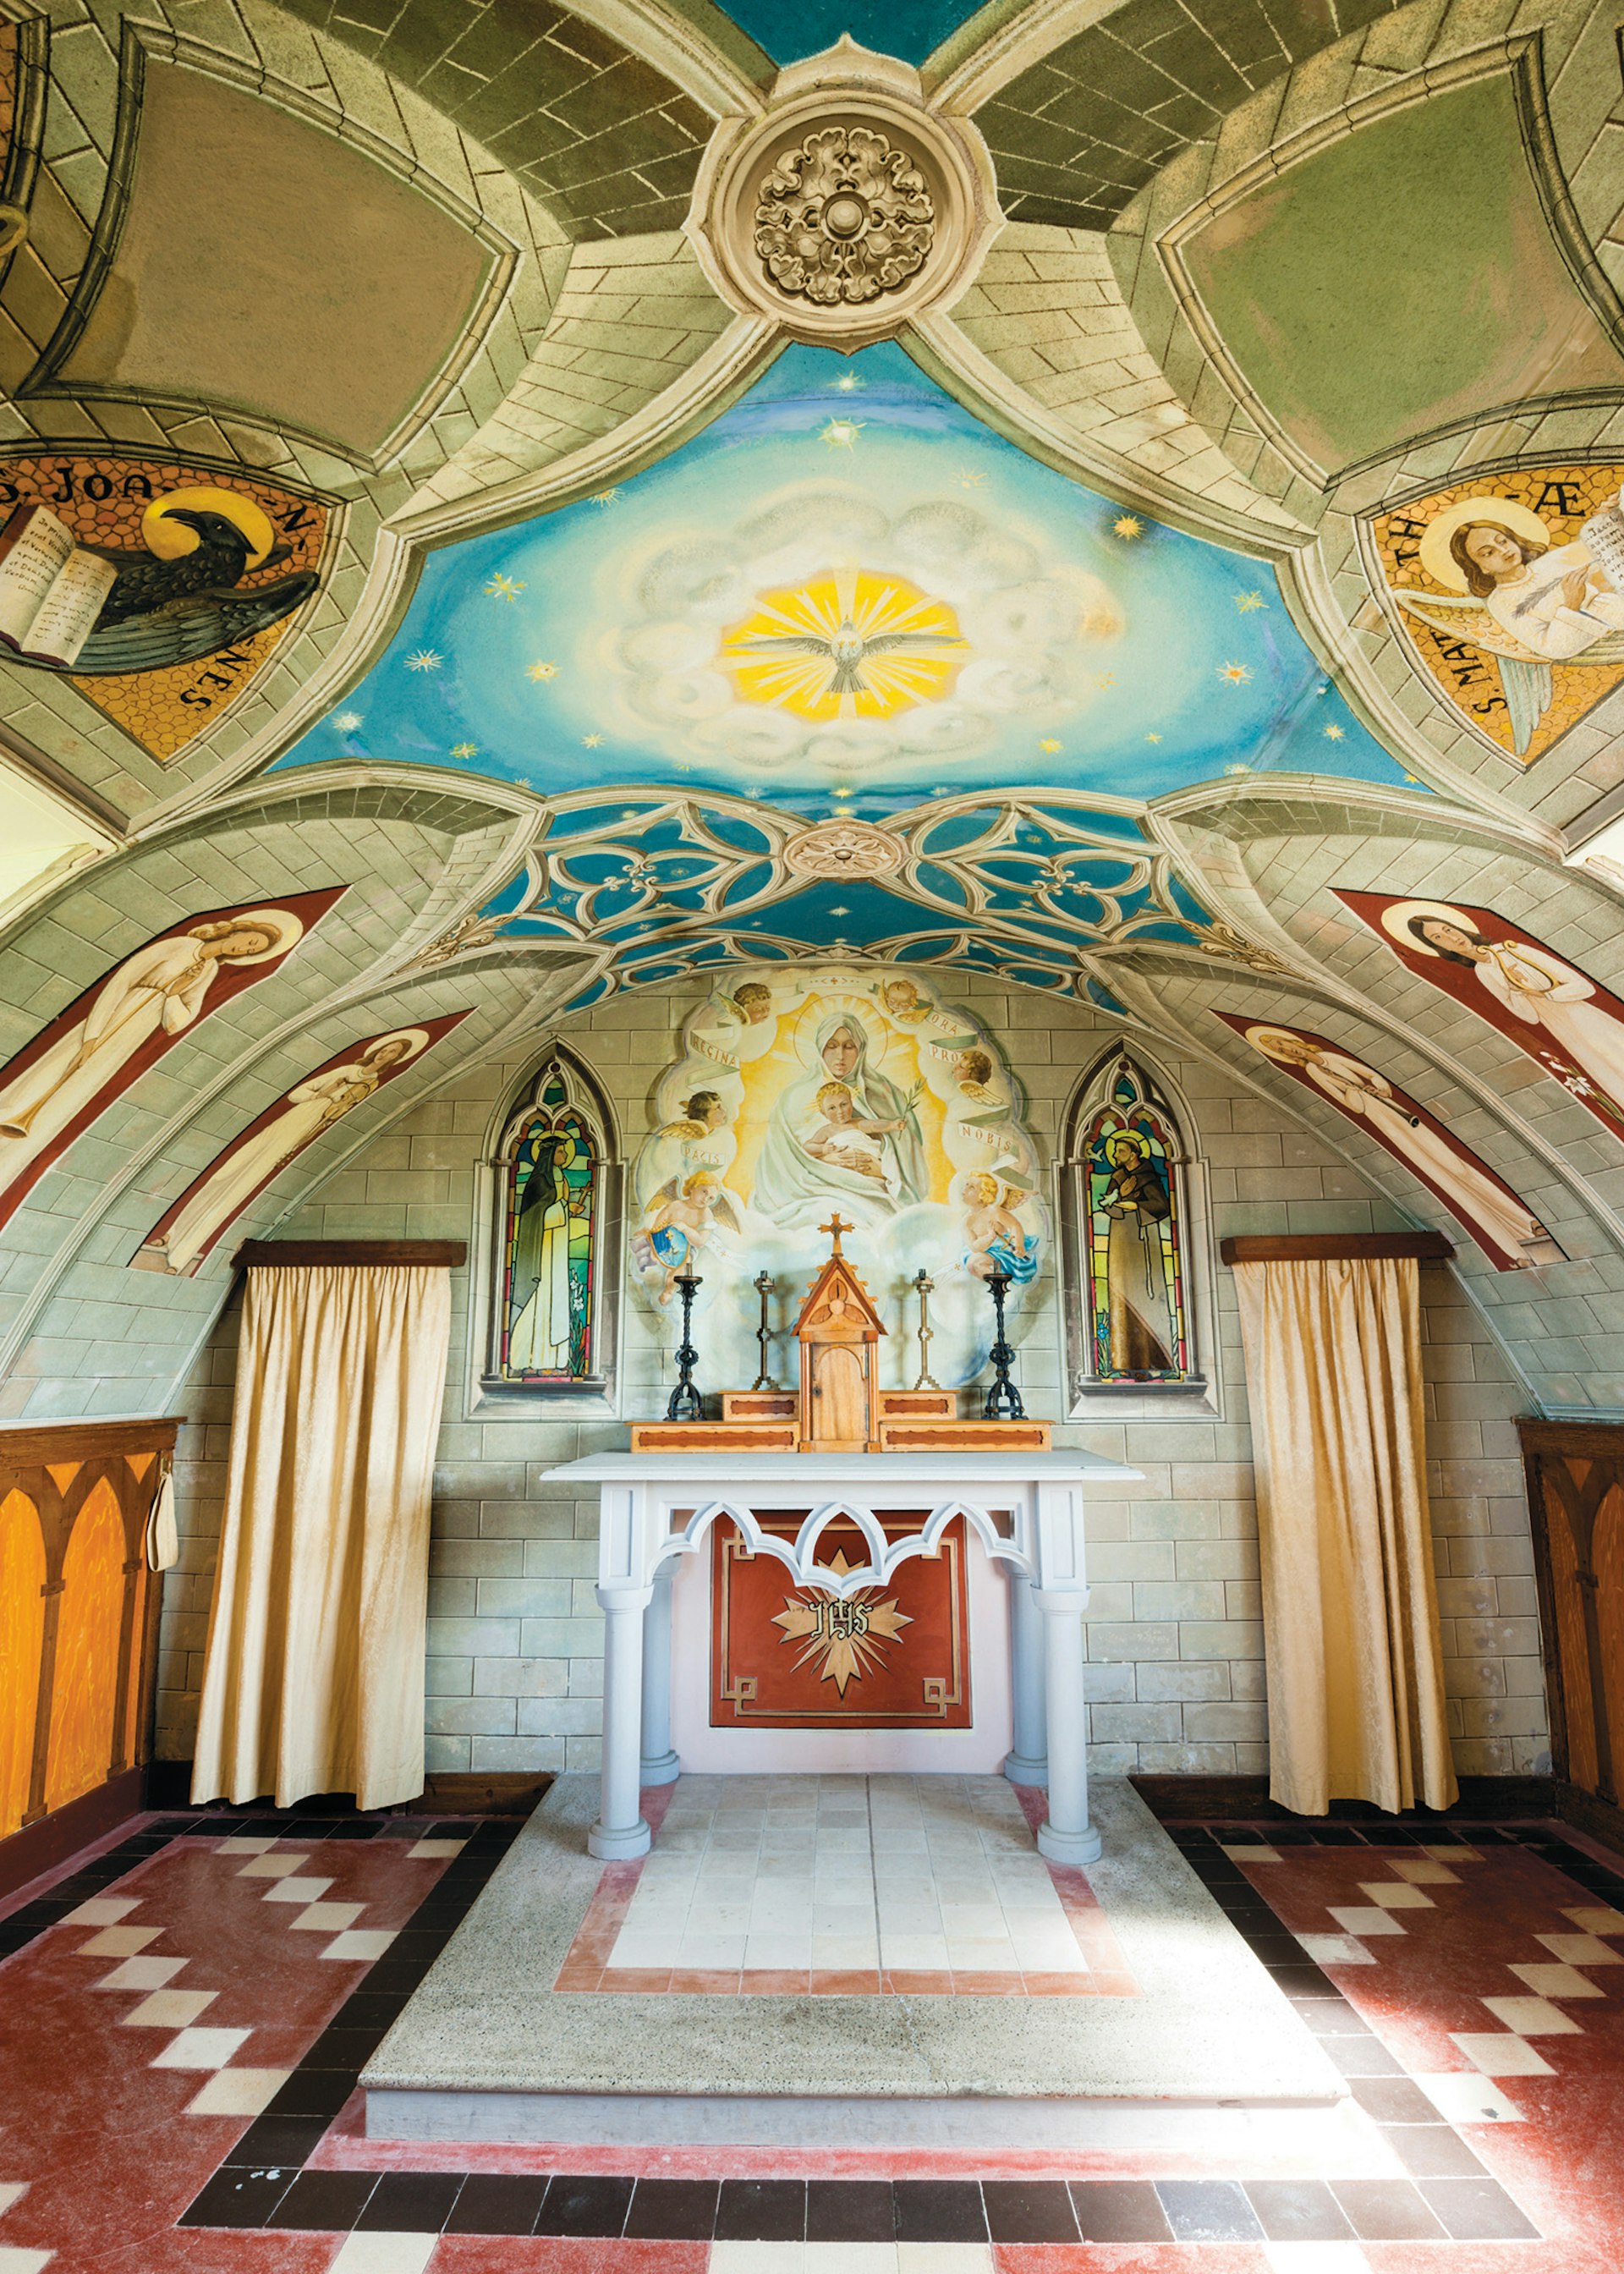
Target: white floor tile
296	1891
1397	1895
273	1867
15	2261
360	1942
142	1974
383	2253
1532	2017
757	2258
119	1941
1365	1918
1498	2053
1581	1949
1337	1950
102	1910
238	2092
1596	1918
851	2258
1425	1872
11	2192
1251	1853
200	2049
438	1848
943	2258
240	1844
170	2009
1557	1982
327	1918
1315	2258
1462	2097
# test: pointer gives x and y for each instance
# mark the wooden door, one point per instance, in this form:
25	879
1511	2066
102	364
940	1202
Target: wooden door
22	1631
840	1396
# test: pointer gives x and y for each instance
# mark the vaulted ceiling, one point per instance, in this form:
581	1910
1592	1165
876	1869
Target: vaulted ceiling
629	580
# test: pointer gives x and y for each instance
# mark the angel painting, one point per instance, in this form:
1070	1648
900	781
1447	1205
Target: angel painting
1522	600
684	1213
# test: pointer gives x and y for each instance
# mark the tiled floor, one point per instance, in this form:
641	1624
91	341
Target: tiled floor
845	1886
182	2023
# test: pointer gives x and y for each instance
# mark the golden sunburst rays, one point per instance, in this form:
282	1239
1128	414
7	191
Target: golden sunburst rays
842	1636
848	643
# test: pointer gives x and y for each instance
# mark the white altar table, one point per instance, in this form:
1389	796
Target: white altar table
1028	1508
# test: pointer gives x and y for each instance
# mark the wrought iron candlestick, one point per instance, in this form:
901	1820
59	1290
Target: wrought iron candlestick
925	1287
763	1288
685	1405
1002	1399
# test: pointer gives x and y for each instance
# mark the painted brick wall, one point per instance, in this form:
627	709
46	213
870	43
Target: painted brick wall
1173	1635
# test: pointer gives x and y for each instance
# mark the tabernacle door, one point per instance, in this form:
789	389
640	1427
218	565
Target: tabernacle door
840	1396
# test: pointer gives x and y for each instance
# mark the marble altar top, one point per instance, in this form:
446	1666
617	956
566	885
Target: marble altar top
925	1468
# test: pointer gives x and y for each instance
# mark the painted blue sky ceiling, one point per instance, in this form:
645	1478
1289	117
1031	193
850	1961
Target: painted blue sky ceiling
848	594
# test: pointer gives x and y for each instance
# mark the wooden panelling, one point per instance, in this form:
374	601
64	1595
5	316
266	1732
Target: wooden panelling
1335	1247
77	1620
288	1254
1576	1491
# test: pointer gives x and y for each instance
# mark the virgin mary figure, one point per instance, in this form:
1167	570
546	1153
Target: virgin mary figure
794	1185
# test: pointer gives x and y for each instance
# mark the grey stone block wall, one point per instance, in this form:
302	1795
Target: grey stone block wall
1174	1638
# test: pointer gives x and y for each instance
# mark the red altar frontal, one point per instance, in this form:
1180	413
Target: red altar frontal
895	1656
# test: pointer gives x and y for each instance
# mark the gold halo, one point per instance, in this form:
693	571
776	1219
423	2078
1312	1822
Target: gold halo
169	541
286	930
1395	921
1436	559
1260	1036
417	1036
1141	1145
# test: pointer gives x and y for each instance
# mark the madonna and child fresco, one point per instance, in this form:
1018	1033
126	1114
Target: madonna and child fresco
806	1089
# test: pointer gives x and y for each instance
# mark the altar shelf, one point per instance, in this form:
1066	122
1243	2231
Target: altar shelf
839	1406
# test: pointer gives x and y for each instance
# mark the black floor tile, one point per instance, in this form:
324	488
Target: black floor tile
346	2049
1208	2211
1388	2210
1298	2210
312	2092
675	2210
1361	2057
234	2197
284	2140
584	2206
497	2203
1029	2210
1393	2100
1303	1980
850	2210
939	2211
1119	2210
1477	2210
762	2211
329	2202
410	2202
1432	2151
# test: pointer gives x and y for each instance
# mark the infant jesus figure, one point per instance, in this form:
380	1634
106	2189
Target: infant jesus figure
844	1141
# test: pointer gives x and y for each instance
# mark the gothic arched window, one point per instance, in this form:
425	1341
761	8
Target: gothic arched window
556	1197
1131	1308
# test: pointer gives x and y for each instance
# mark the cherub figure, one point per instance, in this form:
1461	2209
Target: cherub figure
903	1002
994	1237
844	1139
681	1225
972	1072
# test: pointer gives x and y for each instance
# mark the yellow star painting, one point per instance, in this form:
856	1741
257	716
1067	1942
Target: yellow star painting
842	1636
846	644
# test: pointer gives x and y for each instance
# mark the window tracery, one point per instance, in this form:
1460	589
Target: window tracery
556	1225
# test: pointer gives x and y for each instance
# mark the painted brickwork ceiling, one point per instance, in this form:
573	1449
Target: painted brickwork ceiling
510	508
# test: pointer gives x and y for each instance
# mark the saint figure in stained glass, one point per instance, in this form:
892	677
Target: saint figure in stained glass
1135	1242
547	1251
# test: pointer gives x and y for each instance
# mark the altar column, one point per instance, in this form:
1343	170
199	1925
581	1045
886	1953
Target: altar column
620	1830
1065	1835
1027	1762
660	1764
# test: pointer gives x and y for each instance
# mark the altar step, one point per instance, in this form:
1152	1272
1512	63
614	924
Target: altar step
492	2047
910	1422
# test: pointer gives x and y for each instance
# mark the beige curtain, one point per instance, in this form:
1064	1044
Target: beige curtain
1355	1693
313	1680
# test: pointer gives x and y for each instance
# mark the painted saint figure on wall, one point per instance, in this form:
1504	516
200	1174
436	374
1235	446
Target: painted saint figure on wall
58	1086
1551	1009
870	1153
548	1247
192	1228
1508	1233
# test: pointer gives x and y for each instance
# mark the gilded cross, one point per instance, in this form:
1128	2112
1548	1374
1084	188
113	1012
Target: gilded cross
835	1226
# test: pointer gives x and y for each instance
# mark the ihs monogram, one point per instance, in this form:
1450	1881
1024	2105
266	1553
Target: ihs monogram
841	1635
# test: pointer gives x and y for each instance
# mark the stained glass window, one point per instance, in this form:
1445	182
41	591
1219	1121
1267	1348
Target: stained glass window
1137	1296
546	1300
